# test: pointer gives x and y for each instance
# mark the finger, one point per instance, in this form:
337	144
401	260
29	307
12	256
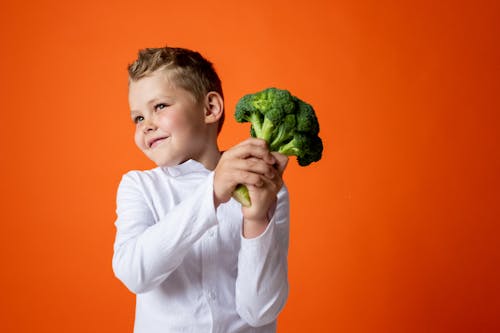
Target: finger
253	142
271	185
249	178
276	182
257	165
252	165
281	161
252	148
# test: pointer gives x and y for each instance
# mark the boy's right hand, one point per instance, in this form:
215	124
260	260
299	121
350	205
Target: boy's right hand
250	162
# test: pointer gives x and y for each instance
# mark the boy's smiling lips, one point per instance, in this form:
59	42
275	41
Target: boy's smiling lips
153	142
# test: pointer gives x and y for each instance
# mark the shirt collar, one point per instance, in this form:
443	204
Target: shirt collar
184	168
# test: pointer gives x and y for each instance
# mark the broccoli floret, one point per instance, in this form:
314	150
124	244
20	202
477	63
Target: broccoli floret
288	124
306	118
265	110
307	148
245	112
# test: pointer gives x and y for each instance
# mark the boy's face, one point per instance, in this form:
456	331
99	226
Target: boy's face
170	123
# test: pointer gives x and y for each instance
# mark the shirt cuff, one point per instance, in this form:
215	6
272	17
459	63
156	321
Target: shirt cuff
259	245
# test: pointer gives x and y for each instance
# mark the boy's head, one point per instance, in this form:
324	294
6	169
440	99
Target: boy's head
187	69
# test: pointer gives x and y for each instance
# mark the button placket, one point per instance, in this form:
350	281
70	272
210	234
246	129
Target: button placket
209	265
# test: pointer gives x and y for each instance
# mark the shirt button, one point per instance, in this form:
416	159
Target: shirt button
211	233
211	295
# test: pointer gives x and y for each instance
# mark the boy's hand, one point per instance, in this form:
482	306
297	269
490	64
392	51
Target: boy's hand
256	217
250	163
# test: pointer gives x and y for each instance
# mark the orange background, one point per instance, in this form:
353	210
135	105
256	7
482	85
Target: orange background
395	230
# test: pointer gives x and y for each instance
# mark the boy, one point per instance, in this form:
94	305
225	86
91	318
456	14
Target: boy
197	260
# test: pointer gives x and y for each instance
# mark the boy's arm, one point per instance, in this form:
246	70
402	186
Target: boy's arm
262	282
145	253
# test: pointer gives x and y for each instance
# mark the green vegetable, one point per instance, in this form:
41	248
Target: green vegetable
288	124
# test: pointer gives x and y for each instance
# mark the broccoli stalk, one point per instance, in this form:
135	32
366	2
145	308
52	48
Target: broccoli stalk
284	132
288	124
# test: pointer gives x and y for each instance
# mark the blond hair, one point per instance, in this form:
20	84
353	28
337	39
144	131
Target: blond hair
188	69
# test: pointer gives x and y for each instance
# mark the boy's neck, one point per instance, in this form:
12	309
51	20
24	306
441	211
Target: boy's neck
210	158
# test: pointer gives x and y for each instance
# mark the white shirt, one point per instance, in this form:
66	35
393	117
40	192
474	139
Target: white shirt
188	264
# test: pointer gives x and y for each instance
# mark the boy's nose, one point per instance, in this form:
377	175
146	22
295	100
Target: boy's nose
149	126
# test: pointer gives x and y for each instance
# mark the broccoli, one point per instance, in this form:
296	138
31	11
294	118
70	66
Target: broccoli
307	148
306	118
265	110
284	132
288	124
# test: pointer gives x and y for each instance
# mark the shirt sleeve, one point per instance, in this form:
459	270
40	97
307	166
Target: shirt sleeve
262	282
147	251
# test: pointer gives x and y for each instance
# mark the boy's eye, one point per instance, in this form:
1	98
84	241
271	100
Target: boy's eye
160	106
138	119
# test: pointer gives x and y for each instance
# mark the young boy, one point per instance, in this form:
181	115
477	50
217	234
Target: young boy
198	261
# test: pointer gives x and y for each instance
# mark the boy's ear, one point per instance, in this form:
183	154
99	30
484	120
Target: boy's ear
214	107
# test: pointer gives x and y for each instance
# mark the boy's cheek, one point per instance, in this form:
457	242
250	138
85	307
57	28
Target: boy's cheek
139	141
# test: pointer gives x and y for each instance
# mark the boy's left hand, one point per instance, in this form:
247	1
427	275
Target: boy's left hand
256	217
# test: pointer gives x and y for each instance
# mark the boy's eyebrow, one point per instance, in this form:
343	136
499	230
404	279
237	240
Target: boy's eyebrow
134	113
158	98
153	100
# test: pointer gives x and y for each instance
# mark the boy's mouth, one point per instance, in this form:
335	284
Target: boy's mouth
156	141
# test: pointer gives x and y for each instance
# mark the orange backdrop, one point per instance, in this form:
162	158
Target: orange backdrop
395	230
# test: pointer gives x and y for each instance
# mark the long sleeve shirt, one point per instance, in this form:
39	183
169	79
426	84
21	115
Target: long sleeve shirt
188	263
